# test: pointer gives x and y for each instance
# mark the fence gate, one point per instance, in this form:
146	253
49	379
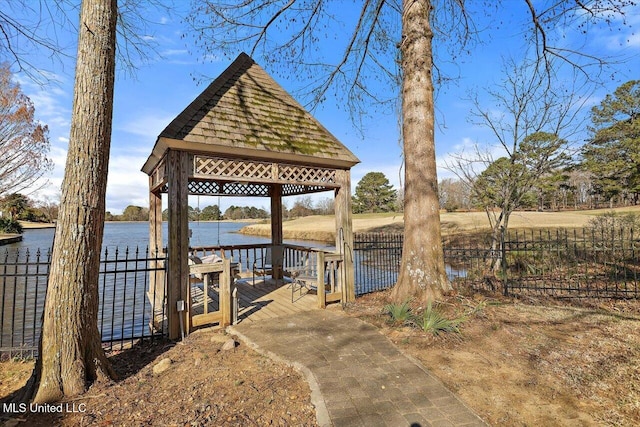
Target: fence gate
205	305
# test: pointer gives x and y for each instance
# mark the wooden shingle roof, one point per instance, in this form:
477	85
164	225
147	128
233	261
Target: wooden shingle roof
245	113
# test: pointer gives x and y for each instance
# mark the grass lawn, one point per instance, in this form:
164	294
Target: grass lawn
322	227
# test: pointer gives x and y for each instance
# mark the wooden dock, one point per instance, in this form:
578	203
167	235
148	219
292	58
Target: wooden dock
264	300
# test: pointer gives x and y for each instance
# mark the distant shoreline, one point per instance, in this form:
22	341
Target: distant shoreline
322	228
27	225
212	221
7	239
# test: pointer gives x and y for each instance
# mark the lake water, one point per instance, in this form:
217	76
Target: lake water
125	310
136	234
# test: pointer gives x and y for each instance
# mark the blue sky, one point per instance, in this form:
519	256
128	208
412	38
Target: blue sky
147	102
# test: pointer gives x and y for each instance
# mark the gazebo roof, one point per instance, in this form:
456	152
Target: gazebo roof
244	113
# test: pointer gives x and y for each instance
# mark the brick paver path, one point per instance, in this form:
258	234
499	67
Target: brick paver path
357	376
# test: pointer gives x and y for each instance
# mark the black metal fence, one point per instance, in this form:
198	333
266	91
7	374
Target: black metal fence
603	263
125	308
376	260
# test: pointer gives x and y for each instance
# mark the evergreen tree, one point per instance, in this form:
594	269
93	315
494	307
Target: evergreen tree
374	194
612	154
135	213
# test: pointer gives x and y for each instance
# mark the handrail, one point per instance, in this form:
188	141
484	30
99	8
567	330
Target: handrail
230	247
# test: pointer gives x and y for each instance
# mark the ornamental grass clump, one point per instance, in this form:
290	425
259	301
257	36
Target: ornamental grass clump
399	313
432	320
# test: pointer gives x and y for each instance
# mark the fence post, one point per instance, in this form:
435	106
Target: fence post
226	302
322	303
503	262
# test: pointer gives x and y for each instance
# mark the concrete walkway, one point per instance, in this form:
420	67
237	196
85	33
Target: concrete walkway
357	376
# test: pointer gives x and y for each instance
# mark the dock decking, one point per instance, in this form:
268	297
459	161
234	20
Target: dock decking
264	300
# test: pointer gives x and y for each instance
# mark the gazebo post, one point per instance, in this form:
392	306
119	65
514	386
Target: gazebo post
277	252
156	291
178	248
344	230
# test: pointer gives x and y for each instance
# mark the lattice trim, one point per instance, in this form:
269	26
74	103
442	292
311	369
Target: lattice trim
306	174
230	168
240	189
294	189
204	187
248	170
213	188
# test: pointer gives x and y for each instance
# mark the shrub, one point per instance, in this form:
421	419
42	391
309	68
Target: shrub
610	223
10	226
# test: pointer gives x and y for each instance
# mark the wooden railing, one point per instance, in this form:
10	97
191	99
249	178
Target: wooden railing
244	255
320	269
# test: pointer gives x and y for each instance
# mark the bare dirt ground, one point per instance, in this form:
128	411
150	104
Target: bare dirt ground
524	362
532	362
203	386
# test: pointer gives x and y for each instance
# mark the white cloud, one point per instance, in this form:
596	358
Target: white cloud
212	58
617	33
621	41
634	40
467	149
126	184
148	125
52	105
174	52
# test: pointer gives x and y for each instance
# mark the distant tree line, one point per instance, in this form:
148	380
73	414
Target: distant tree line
567	189
541	173
17	206
130	213
245	212
373	193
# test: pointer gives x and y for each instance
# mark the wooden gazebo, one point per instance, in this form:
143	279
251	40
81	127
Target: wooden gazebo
244	135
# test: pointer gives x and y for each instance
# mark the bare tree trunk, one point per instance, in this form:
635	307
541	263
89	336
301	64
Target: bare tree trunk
71	353
422	272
